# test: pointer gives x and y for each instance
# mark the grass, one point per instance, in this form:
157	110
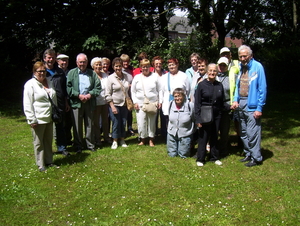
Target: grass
143	186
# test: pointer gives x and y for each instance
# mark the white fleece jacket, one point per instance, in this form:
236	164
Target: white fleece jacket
36	104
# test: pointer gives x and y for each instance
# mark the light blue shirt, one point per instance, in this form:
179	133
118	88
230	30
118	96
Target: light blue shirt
84	83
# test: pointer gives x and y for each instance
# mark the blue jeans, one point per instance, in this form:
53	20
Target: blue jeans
178	146
118	122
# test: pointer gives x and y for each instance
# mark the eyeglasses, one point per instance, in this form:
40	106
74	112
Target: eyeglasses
42	71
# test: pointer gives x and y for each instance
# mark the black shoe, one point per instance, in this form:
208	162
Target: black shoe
246	159
253	163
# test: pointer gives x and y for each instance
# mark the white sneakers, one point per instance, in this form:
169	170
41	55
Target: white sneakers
218	162
199	163
115	144
123	144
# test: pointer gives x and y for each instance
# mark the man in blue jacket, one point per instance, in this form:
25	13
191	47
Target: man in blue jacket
249	99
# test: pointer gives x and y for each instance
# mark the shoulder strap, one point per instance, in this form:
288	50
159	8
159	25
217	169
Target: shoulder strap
169	88
49	98
123	89
170	105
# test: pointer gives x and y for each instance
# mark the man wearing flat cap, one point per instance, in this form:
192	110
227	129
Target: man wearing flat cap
63	62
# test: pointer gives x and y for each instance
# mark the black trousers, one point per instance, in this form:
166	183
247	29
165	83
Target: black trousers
209	133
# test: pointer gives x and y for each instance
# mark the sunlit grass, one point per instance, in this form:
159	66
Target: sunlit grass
143	186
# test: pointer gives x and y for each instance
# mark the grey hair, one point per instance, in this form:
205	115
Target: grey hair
247	48
95	60
212	64
81	54
180	91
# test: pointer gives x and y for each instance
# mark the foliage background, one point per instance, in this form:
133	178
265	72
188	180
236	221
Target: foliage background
112	27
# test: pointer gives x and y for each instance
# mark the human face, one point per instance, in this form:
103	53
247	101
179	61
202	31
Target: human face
105	66
212	72
244	57
223	67
173	68
82	62
125	64
194	61
146	69
178	97
49	60
63	63
202	68
157	65
118	68
40	74
97	67
227	55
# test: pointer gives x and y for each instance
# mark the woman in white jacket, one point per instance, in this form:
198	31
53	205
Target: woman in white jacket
146	85
37	109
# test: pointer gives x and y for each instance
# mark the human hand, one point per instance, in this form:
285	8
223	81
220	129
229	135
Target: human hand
82	98
234	105
88	96
114	110
136	107
33	125
257	114
199	125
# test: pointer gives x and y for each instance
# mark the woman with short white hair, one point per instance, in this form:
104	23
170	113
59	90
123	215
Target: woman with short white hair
101	110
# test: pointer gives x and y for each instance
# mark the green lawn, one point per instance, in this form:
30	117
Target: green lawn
143	186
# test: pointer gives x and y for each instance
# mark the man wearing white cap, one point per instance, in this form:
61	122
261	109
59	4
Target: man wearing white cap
228	83
233	71
63	62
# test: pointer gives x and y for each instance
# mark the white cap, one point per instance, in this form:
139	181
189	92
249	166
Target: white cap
223	60
62	56
224	50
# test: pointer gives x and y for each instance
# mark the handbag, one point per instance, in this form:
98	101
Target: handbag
207	113
149	107
56	114
129	103
128	100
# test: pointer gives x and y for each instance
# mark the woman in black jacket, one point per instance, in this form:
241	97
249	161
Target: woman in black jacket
209	92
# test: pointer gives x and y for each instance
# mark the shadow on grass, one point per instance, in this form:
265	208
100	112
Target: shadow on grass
73	158
266	153
236	148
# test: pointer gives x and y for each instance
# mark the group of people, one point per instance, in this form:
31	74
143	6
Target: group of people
98	101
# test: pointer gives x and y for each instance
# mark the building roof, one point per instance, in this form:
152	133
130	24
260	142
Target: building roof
179	24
